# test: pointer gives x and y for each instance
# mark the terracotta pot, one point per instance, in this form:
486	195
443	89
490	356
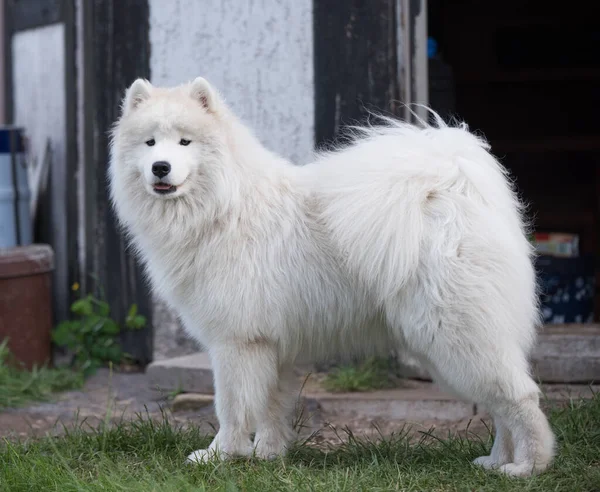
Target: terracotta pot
26	302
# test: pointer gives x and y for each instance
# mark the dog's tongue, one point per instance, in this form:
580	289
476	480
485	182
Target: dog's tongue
162	186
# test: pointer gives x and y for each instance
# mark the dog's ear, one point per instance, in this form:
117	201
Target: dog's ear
203	92
137	93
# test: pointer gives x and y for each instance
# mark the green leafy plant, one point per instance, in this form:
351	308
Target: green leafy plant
93	336
133	320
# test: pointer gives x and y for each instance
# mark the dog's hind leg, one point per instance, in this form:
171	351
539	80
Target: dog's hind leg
495	376
246	376
502	450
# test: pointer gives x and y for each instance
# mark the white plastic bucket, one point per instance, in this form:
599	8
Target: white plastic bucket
15	215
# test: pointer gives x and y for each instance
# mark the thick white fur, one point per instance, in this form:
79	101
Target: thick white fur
410	237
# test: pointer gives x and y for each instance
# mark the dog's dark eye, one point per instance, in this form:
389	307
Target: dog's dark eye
184	142
150	142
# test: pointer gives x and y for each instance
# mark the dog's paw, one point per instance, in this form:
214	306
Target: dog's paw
203	456
519	469
270	450
486	462
271	444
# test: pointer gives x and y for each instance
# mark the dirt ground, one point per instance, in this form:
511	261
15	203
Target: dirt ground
109	397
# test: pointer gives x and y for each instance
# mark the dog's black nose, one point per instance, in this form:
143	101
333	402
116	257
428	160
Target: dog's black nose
161	168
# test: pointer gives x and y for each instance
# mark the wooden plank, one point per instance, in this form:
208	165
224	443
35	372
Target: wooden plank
356	63
597	250
27	14
71	196
118	52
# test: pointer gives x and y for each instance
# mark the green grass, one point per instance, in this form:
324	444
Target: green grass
18	387
372	374
147	456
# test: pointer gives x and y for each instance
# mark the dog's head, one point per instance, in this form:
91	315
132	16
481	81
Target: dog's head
166	141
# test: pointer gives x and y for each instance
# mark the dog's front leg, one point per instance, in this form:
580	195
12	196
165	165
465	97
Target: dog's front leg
245	376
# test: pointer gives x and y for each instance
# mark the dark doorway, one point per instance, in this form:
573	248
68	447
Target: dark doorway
526	74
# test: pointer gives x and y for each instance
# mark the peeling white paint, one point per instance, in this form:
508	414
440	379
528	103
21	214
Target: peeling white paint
258	53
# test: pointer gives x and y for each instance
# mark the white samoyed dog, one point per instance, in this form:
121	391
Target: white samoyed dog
411	237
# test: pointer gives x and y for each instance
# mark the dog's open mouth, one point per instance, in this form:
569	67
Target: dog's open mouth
164	188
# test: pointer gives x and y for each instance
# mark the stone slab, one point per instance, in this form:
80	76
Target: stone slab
555	393
567	354
409	405
571	369
191	401
564	354
188	373
193	374
427	403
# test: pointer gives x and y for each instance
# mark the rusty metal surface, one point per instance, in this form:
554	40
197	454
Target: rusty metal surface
25	302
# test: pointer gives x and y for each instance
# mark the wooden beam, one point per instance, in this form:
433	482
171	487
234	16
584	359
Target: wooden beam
117	51
356	63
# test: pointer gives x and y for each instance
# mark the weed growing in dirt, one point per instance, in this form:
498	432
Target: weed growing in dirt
372	374
92	334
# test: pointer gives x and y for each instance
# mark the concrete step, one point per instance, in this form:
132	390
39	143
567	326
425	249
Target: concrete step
564	354
567	354
425	403
417	402
188	373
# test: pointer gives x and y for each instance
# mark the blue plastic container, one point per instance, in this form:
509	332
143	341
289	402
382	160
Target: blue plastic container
15	215
567	289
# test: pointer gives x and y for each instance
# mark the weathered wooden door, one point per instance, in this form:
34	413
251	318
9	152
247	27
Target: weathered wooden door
370	55
67	64
115	51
